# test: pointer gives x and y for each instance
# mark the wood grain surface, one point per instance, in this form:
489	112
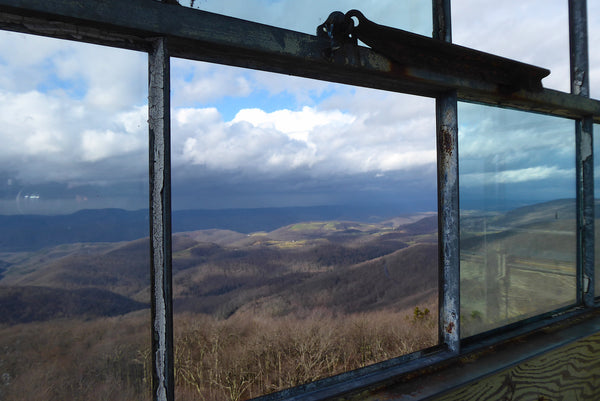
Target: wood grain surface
569	373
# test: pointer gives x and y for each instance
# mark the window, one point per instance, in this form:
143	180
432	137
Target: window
74	242
413	15
534	32
594	37
230	269
305	229
517	193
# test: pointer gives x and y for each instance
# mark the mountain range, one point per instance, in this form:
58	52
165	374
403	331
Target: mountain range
32	232
341	266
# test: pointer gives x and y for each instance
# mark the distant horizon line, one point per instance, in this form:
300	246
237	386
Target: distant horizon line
508	205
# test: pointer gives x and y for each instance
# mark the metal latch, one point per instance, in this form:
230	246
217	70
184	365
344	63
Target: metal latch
410	50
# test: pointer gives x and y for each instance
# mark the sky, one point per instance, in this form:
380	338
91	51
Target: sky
74	120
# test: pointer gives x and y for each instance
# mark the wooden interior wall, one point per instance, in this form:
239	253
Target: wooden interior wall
571	372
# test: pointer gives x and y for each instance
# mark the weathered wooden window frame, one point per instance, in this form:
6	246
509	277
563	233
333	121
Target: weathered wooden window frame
165	30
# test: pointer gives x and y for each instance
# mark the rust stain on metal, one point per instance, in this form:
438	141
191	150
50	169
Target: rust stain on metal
450	328
446	138
410	49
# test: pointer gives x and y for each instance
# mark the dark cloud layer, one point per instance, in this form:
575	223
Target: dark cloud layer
74	128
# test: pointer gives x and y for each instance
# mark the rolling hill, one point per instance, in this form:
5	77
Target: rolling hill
279	305
33	232
24	304
343	266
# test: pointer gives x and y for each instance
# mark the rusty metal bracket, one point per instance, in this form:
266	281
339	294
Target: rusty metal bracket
338	28
409	50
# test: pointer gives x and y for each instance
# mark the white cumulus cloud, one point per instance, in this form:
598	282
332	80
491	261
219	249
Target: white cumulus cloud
97	145
529	174
321	142
533	31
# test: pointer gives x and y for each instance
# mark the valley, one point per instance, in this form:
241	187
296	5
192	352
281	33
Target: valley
261	311
346	267
254	312
516	265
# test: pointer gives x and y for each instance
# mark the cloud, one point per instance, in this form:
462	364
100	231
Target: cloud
303	90
76	114
508	157
321	142
305	16
98	145
534	32
509	136
32	124
119	81
369	141
70	112
200	83
238	144
593	40
22	58
54	138
529	174
106	79
296	125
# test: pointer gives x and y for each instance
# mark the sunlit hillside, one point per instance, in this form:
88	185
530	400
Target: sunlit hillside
254	312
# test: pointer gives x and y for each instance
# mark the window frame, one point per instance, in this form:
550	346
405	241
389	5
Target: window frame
166	30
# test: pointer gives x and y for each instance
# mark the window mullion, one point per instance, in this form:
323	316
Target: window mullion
585	210
160	222
447	161
579	60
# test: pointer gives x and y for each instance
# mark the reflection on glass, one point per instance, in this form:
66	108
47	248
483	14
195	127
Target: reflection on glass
534	32
597	212
74	275
517	218
593	17
305	233
305	16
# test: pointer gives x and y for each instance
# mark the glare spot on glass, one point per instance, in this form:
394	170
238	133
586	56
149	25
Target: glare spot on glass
517	194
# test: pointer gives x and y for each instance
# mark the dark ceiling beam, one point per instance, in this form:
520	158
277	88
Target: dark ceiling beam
199	35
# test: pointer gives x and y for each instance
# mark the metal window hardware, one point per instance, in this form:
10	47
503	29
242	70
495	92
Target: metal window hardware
409	50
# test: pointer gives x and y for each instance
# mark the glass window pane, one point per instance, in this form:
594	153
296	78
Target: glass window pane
74	265
517	195
594	52
305	16
305	229
534	32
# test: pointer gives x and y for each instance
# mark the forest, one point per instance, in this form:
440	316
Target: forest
254	312
262	311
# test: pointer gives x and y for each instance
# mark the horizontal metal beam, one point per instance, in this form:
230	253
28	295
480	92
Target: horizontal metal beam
199	35
484	360
427	375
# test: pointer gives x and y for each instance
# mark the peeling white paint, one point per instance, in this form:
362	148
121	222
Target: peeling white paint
158	107
586	144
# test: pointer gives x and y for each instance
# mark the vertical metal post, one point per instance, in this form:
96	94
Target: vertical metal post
442	29
160	221
578	44
578	41
448	208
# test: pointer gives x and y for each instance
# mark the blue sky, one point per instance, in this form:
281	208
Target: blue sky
74	128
